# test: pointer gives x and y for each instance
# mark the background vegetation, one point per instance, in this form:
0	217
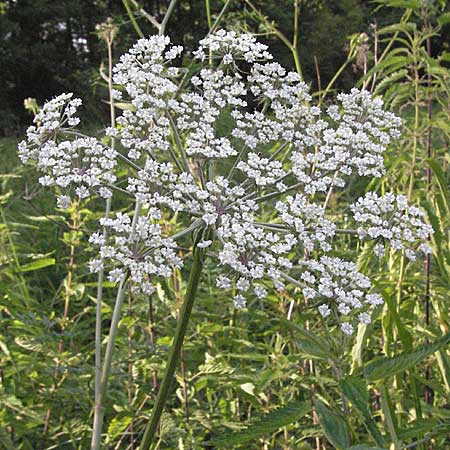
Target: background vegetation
269	377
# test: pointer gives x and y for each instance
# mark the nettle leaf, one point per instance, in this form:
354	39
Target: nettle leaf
442	182
385	367
265	425
118	425
355	390
38	264
334	426
419	428
309	343
444	367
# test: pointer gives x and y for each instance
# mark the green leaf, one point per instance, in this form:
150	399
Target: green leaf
355	390
248	356
334	426
444	367
118	425
125	106
444	19
385	367
365	447
412	4
38	264
309	343
265	425
443	184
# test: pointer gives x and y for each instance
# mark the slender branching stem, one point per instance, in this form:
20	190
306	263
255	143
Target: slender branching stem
98	410
99	406
178	141
162	27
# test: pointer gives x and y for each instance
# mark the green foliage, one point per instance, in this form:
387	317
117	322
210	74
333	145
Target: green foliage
334	426
265	425
356	391
386	367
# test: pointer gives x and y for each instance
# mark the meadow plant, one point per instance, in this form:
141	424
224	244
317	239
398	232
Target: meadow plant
252	194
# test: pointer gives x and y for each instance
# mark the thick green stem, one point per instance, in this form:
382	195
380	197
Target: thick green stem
174	354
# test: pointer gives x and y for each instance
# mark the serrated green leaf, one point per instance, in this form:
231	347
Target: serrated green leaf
444	367
265	425
444	19
308	343
385	367
443	185
117	425
334	426
356	392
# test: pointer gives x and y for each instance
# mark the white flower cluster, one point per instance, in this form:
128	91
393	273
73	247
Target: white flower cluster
262	170
137	249
241	155
336	283
253	254
307	221
389	219
82	164
149	83
352	138
231	46
54	114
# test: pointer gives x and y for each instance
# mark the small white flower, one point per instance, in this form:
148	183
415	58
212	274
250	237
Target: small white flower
223	282
347	328
364	318
239	302
260	292
204	244
63	202
324	310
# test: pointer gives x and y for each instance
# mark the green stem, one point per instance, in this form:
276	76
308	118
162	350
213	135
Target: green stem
387	412
166	18
99	404
335	77
98	319
174	354
133	20
294	48
208	13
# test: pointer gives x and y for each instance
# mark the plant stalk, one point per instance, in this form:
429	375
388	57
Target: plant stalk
99	404
174	355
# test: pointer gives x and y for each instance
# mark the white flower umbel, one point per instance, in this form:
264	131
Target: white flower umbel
389	219
81	164
138	250
242	157
239	158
